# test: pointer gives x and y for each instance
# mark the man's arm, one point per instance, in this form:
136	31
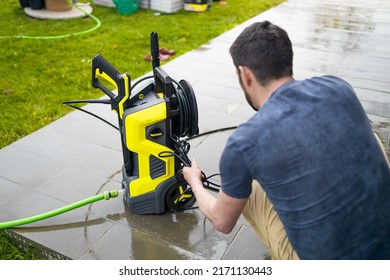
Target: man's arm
223	211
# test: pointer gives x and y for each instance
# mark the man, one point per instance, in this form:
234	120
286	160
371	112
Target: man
306	170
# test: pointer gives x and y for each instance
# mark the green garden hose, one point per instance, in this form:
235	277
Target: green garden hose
62	36
105	195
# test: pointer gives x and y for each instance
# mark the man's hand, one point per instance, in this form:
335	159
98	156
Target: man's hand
223	211
193	175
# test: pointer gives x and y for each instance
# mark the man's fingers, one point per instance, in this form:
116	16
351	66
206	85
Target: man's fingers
194	163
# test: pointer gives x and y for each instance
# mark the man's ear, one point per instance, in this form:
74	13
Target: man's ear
246	75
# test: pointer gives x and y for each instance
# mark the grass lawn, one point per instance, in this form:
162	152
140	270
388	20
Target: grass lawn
38	74
9	251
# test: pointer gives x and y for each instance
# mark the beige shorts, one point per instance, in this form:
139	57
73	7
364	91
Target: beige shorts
382	147
260	213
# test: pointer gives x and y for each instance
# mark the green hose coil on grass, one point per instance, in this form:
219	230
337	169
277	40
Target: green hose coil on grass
62	36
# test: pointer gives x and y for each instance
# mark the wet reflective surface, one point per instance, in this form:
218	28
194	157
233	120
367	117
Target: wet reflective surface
77	156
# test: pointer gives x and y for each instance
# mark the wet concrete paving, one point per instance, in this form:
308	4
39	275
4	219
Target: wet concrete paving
78	156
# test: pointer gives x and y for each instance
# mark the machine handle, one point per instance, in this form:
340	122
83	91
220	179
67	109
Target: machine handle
101	68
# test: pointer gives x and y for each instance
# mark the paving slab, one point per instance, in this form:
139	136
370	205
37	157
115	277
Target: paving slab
78	156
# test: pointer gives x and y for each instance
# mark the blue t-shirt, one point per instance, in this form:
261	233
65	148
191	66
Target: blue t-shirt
312	149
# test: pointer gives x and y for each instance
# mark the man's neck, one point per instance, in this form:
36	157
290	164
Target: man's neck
272	86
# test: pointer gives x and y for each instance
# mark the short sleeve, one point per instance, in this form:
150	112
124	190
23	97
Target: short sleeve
235	176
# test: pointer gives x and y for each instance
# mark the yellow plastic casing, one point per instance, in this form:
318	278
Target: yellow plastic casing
126	97
196	7
135	125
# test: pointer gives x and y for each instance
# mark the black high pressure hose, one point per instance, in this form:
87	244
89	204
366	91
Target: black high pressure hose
188	108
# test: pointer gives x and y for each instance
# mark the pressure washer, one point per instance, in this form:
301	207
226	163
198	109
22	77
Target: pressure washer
152	122
197	5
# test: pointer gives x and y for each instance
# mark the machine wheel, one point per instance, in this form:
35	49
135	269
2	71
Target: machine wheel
180	197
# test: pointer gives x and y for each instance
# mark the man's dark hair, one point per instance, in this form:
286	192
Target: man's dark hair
265	49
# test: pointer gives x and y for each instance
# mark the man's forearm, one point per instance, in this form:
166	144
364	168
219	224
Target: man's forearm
222	211
206	201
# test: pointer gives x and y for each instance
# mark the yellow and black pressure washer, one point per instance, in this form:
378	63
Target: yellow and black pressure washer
197	5
152	122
